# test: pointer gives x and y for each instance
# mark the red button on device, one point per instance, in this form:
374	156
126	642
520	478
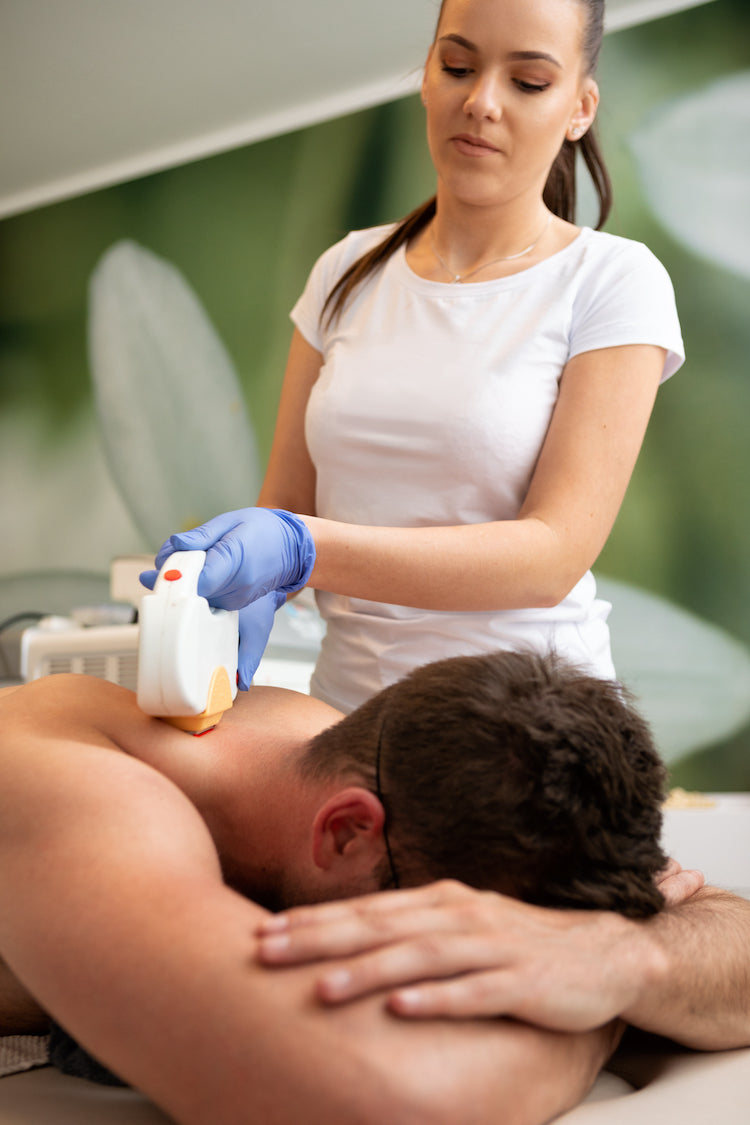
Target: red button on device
173	576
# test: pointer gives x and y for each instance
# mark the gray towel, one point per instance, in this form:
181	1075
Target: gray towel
22	1052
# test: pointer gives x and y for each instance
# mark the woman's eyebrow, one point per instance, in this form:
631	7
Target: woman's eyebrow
514	56
530	56
459	39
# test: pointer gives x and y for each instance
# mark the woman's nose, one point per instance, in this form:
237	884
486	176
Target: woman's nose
484	100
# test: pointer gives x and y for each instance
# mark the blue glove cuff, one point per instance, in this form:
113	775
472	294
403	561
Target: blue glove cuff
301	548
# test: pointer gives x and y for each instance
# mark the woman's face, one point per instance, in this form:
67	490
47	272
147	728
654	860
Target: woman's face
504	83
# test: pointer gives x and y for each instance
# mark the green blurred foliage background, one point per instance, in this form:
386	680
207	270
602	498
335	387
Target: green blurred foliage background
245	227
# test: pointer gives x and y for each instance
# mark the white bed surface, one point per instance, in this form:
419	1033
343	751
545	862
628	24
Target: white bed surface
680	1086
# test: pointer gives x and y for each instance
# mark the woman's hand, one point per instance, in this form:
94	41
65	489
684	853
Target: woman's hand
448	950
255	624
254	558
249	553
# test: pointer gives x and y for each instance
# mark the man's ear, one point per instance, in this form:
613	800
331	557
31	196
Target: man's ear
348	830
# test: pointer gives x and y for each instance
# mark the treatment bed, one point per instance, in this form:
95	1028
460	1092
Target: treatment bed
655	1083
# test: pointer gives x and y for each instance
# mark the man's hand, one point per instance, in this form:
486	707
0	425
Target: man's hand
676	885
448	950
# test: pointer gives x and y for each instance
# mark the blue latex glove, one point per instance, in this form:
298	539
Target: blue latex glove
256	622
249	553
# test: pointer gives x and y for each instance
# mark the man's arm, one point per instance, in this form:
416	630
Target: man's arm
114	916
447	950
701	995
19	1012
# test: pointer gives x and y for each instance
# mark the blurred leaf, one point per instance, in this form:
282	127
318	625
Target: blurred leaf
691	679
694	163
171	413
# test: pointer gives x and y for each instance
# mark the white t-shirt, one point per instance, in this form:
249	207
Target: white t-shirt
431	408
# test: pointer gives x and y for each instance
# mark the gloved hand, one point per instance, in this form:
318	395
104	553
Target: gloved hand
256	622
249	553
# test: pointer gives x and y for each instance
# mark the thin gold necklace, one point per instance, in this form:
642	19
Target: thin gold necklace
458	279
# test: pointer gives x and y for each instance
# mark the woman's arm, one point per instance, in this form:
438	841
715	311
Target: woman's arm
586	462
581	476
290	477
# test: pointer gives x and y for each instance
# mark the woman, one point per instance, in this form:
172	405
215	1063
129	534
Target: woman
467	392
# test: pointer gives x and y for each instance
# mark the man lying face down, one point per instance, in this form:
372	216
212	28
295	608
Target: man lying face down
507	771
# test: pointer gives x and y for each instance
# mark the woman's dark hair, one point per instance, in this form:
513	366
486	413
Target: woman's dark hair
559	194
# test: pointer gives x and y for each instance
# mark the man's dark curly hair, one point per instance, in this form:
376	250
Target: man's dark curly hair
512	772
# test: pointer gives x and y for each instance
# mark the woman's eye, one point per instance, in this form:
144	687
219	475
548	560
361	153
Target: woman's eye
456	71
531	87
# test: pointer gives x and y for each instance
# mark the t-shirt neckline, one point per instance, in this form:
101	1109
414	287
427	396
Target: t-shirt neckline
447	289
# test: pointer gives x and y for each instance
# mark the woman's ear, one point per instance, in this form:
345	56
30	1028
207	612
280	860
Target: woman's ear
583	118
348	831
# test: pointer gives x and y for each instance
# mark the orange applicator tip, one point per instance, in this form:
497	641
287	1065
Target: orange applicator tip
219	701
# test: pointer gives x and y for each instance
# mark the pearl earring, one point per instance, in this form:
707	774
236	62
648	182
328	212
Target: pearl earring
576	132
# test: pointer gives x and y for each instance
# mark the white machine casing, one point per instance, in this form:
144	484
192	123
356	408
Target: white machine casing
60	644
184	642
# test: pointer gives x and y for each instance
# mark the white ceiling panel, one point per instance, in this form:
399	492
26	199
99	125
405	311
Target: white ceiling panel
94	92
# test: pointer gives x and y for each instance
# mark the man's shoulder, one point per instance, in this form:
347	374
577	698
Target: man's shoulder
281	712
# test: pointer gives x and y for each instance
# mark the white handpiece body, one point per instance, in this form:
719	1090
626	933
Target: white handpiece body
187	653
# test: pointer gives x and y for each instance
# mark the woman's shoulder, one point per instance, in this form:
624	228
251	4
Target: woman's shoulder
604	246
352	246
622	294
327	271
607	260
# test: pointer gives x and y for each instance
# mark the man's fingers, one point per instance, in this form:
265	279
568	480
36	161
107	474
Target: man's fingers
681	886
474	996
347	934
344	929
407	963
495	994
381	905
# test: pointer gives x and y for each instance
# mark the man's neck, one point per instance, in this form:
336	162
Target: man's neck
243	779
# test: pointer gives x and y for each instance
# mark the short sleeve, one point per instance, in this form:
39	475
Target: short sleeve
627	298
307	312
329	268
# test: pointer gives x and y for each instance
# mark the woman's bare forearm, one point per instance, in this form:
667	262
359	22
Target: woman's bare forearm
478	567
531	560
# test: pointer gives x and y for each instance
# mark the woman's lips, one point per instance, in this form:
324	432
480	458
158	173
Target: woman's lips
473	146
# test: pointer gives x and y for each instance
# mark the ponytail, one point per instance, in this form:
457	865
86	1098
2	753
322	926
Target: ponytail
560	191
414	222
